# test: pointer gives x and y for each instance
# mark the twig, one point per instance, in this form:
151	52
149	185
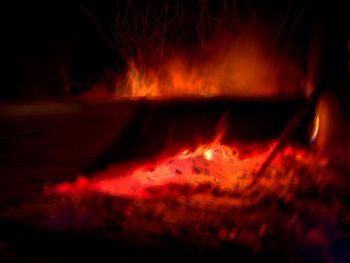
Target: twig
288	131
97	24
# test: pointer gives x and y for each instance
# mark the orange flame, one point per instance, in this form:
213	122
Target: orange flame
238	69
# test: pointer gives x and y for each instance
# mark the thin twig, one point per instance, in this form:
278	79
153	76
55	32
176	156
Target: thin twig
97	24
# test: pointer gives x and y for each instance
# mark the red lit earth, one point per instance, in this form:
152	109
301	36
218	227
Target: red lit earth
202	197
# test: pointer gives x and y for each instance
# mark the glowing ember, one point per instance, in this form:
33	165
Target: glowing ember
194	197
212	165
215	164
208	154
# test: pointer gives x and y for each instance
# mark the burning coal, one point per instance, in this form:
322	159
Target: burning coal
197	197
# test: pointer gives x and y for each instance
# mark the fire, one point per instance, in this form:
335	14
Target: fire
202	49
195	196
214	164
237	69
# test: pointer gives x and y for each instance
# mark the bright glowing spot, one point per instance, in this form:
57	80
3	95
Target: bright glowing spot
315	128
208	154
299	156
63	187
185	152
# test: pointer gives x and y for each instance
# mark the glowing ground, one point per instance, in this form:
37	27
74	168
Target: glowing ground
198	198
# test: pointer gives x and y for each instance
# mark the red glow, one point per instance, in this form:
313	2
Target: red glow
212	166
198	197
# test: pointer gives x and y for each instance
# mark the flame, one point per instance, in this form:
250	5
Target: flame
238	69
